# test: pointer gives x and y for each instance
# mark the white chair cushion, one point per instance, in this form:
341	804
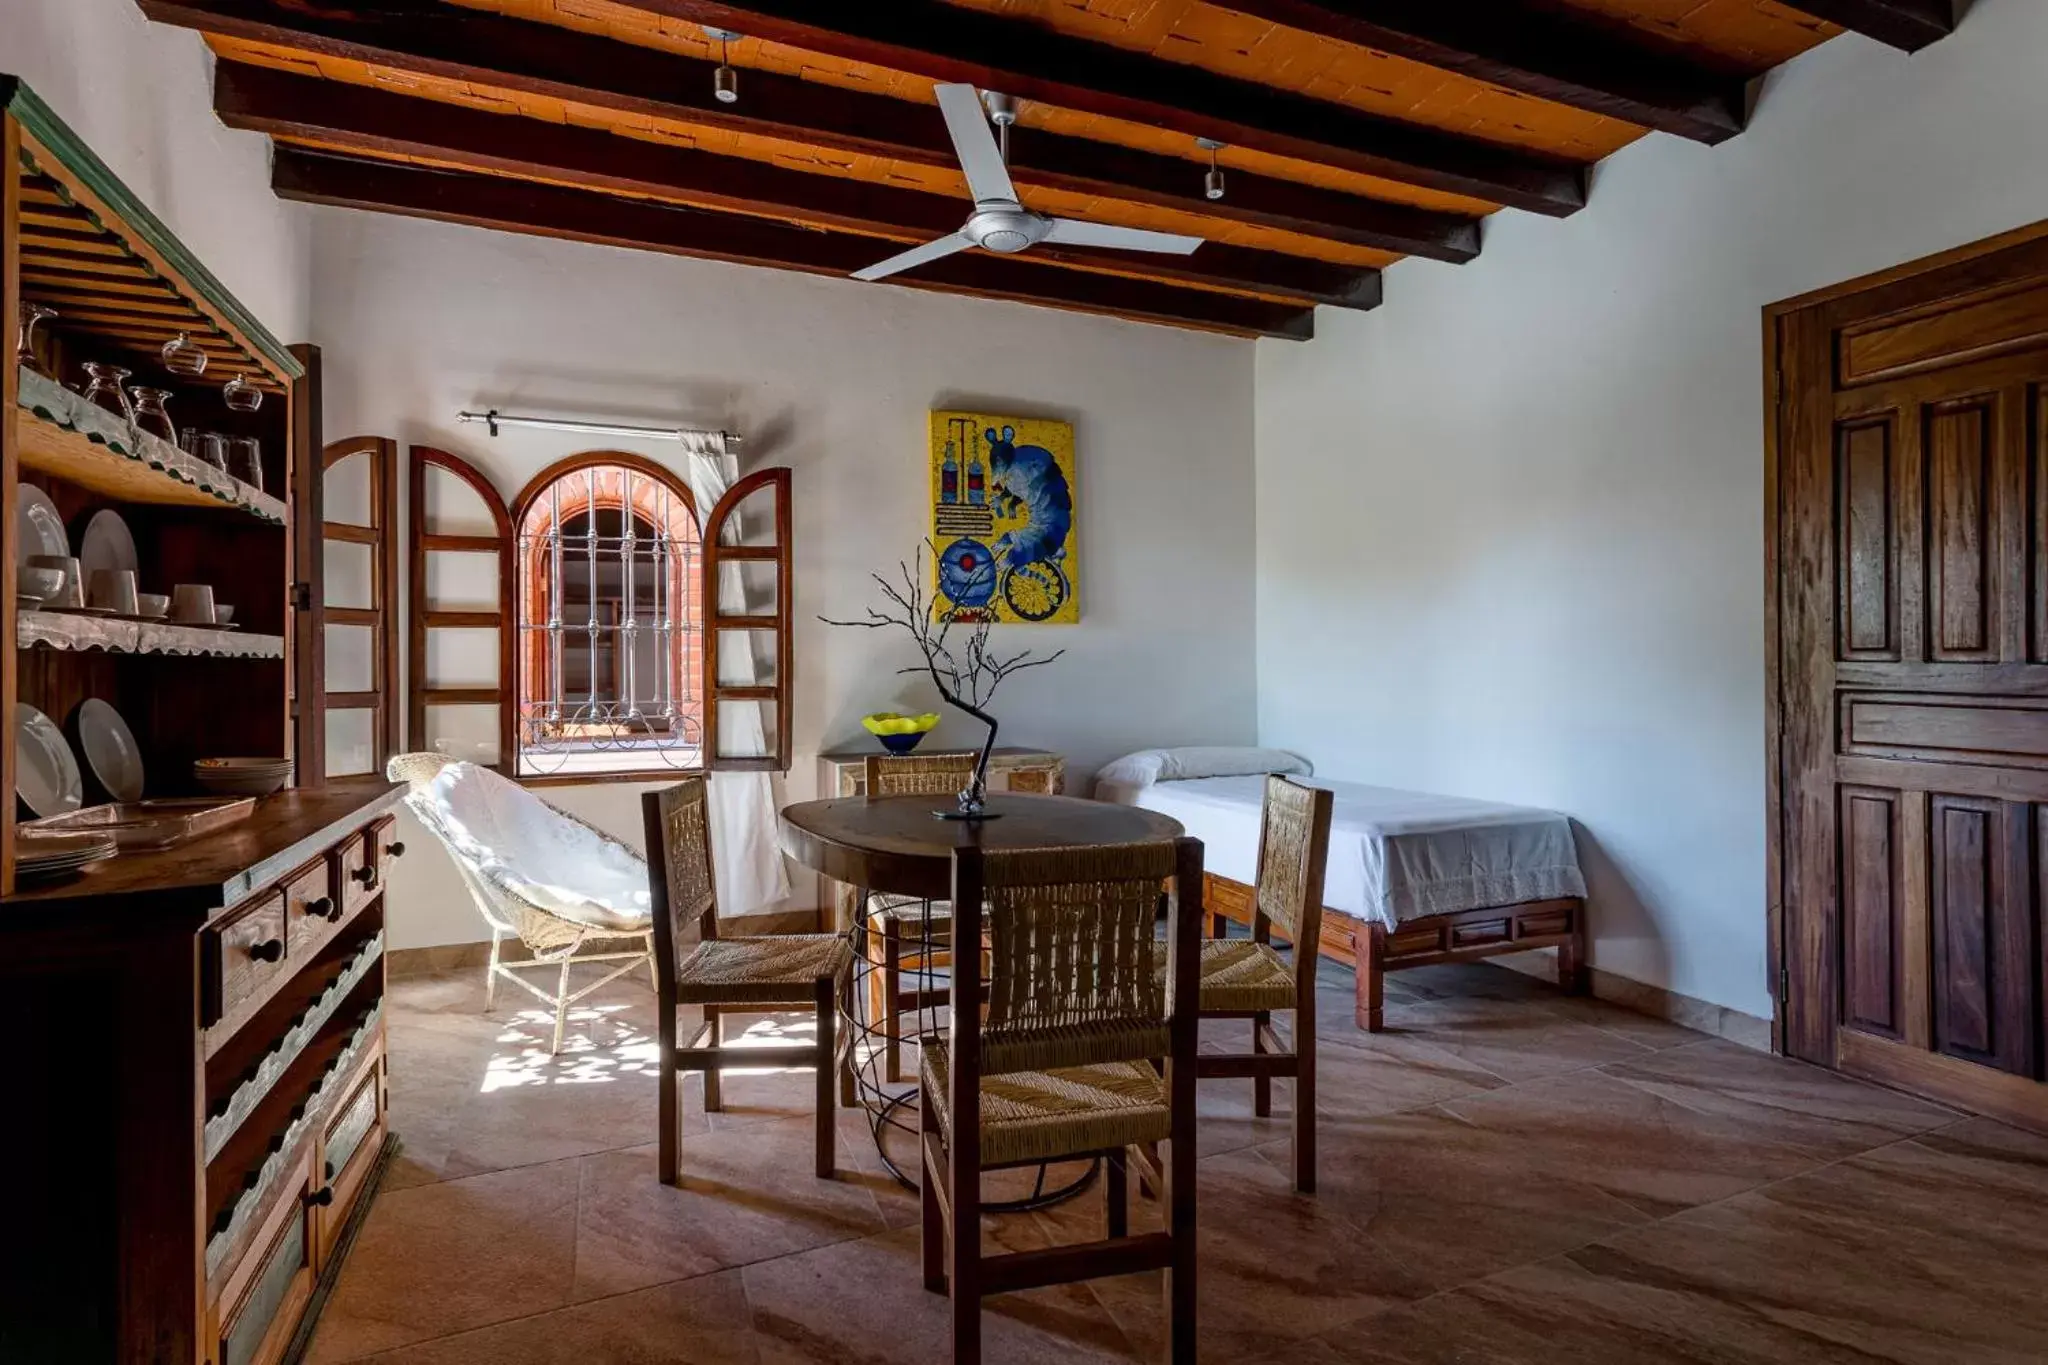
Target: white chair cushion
519	841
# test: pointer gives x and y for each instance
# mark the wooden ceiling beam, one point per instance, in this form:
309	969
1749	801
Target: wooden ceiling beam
1907	24
1029	61
1532	51
578	215
492	51
377	123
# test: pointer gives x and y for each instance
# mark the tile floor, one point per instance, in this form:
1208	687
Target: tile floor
1508	1177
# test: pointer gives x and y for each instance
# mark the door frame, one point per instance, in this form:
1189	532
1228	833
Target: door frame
1778	416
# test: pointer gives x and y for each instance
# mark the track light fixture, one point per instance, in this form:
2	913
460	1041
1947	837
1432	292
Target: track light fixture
725	82
1212	183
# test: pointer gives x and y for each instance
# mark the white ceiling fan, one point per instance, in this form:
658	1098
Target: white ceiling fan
999	223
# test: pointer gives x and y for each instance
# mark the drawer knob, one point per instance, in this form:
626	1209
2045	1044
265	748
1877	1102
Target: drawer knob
365	874
321	1197
396	848
321	907
269	950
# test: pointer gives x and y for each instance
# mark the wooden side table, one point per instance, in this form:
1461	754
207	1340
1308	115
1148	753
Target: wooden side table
844	773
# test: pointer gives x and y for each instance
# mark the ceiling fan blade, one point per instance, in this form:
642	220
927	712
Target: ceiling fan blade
974	142
1074	232
917	255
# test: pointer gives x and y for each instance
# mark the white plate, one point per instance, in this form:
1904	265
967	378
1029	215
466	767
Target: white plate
46	775
37	527
110	749
106	545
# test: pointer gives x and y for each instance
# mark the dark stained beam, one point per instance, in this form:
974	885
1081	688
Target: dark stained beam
1908	24
378	123
1534	51
578	215
1033	62
492	51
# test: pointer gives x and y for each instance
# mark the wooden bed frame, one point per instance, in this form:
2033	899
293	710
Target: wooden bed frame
1373	950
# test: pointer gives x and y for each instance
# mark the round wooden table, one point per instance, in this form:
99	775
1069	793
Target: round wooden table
897	845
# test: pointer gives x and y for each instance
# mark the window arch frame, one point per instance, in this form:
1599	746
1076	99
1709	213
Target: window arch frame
524	503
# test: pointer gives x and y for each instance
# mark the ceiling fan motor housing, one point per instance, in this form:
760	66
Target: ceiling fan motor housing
1005	228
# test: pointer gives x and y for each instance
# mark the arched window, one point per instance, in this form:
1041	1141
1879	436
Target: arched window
610	620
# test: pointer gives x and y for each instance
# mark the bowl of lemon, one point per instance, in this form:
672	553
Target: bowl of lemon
899	734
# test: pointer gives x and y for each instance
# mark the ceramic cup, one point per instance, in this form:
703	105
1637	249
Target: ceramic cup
113	589
152	604
72	593
222	613
192	604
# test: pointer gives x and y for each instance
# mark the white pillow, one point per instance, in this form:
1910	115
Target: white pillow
1148	766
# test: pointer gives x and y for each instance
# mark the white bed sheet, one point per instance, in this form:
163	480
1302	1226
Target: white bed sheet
1394	855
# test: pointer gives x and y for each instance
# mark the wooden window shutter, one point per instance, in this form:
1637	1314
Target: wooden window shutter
425	693
376	668
748	666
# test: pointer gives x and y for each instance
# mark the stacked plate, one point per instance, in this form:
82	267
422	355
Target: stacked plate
47	857
242	776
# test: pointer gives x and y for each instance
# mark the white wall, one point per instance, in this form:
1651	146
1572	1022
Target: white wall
418	320
140	95
1511	523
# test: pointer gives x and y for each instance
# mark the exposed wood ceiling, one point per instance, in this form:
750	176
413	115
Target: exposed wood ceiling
1355	132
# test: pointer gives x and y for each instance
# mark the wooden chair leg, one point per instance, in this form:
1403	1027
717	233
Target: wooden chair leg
1369	946
892	998
828	1119
669	1162
849	1045
714	1099
1116	1184
1305	1095
1262	1085
1180	1274
932	1230
963	1248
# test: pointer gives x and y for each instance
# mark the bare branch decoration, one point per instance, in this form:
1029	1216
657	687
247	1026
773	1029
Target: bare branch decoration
966	672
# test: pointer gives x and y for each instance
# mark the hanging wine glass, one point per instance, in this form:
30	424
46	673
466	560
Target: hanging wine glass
105	389
32	316
150	415
240	395
183	358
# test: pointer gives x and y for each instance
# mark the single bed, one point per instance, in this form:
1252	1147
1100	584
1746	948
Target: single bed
1414	878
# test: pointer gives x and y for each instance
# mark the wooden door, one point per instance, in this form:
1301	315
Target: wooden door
358	718
436	537
747	657
1911	501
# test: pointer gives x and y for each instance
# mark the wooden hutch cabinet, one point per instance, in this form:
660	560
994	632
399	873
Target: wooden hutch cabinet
196	1085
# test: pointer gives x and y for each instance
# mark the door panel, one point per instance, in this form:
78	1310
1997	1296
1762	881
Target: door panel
359	724
1912	705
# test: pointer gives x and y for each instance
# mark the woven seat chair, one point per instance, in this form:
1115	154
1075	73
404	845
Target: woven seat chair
1249	978
1067	1065
559	932
895	923
774	972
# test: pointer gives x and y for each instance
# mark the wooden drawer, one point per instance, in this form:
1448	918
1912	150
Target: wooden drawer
350	1141
243	958
361	862
312	909
263	1296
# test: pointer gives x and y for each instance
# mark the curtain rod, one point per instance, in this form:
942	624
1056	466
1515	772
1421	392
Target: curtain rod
495	419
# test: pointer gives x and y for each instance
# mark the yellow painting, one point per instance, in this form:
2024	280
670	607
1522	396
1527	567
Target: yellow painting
1003	495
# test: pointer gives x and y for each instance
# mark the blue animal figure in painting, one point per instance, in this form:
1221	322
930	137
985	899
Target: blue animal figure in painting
1026	479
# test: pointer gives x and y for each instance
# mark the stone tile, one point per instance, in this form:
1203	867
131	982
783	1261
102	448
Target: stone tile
1517	1040
744	1196
866	1301
452	1256
1356	1077
703	1321
1643	1148
1781	1100
1926	1252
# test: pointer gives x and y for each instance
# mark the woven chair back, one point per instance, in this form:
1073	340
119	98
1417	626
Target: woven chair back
1294	847
918	774
416	769
679	870
1070	935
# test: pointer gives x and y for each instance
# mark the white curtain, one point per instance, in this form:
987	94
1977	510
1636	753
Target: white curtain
751	873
